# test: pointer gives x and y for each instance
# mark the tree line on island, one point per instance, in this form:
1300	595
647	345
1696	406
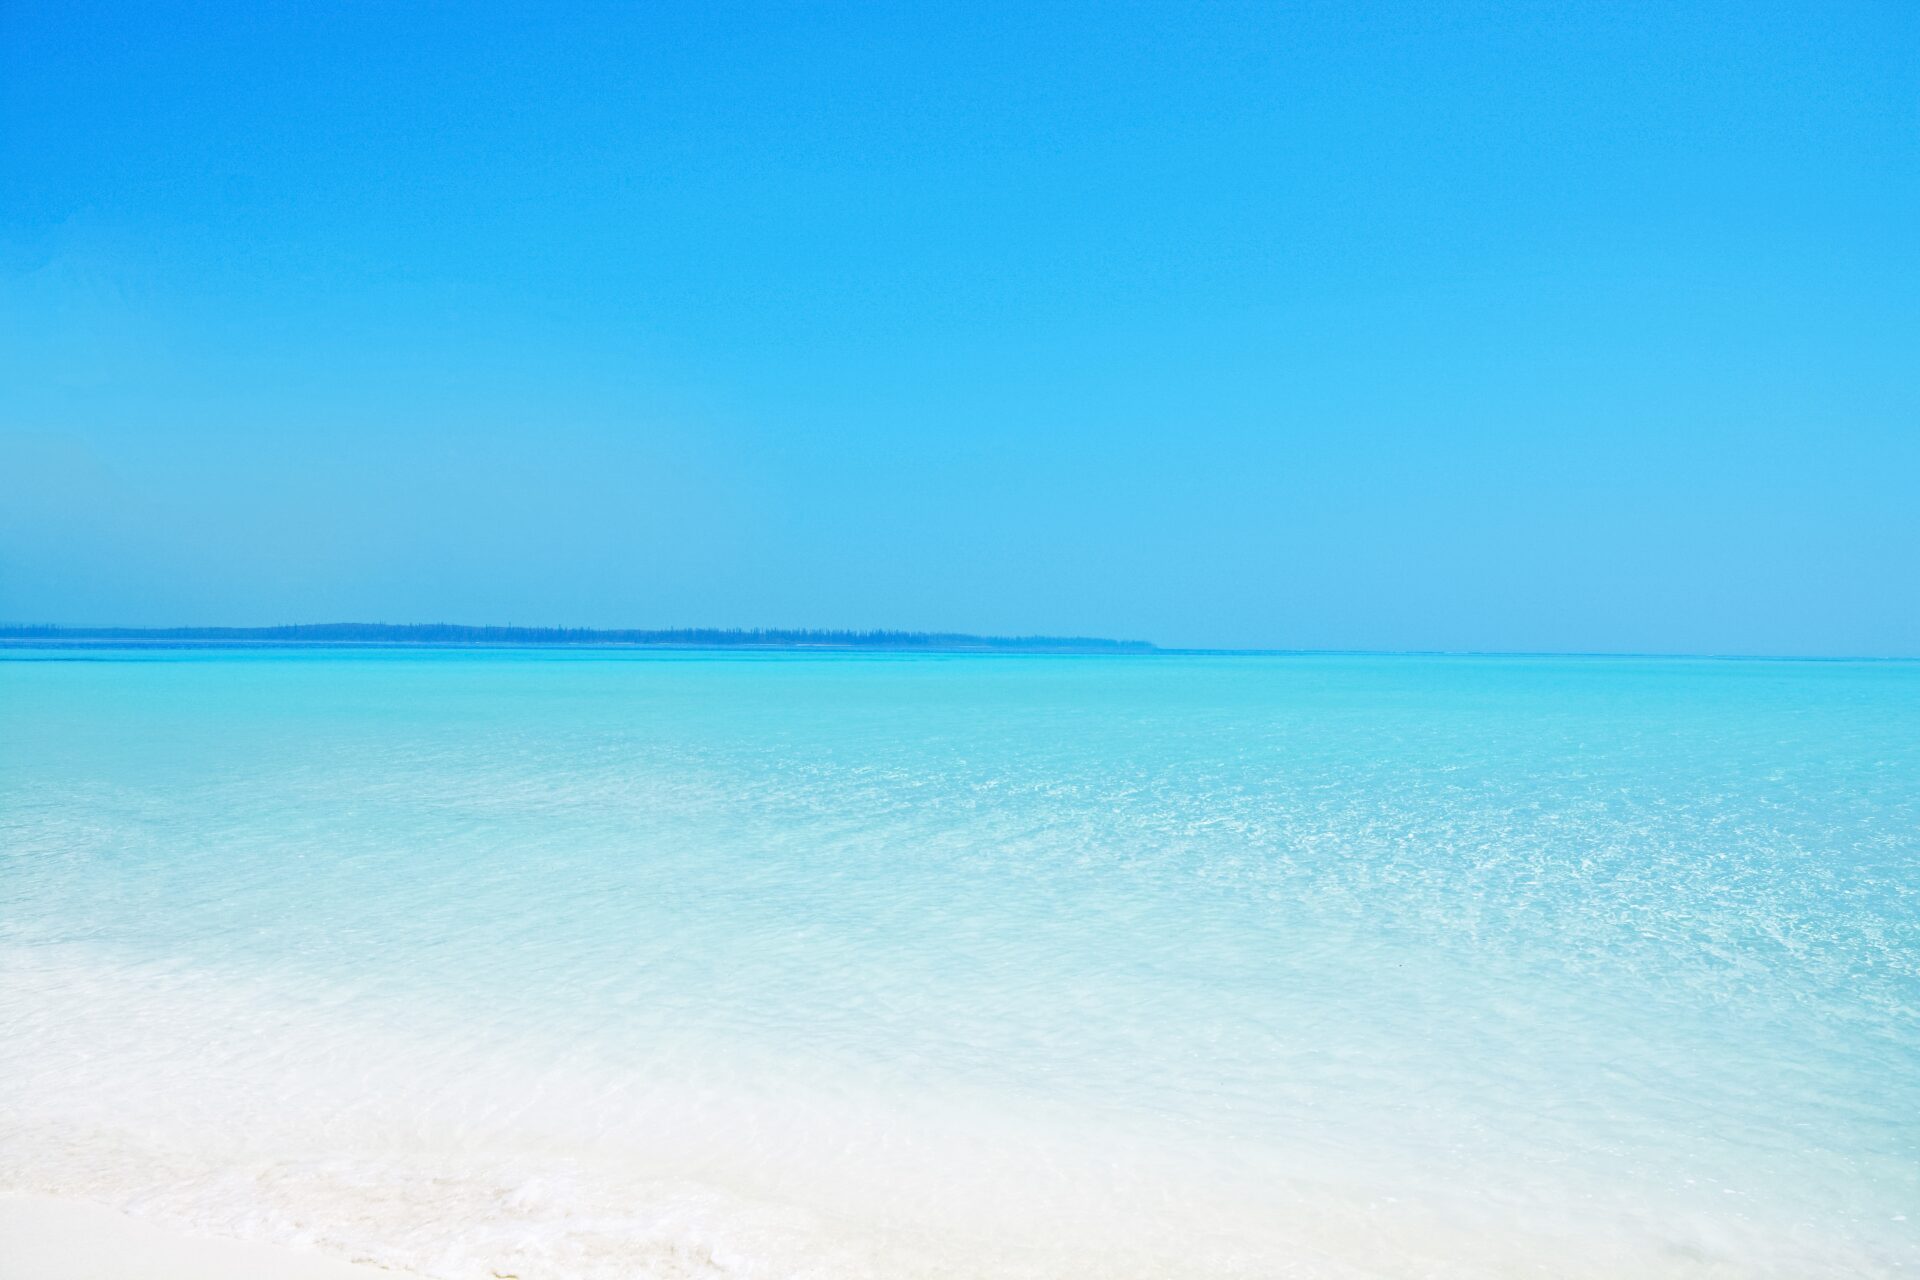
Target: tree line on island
442	633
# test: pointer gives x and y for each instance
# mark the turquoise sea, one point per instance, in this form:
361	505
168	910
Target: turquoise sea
613	964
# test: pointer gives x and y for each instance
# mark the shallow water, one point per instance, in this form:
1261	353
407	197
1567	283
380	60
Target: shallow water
614	964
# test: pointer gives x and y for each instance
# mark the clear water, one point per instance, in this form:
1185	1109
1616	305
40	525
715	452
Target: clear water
621	964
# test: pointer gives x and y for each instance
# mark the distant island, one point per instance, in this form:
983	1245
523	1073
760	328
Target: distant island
450	634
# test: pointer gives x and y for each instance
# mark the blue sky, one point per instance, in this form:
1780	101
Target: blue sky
1386	326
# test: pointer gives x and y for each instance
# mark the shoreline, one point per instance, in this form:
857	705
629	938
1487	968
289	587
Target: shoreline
44	1237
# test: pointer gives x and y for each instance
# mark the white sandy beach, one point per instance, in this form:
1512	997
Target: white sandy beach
46	1238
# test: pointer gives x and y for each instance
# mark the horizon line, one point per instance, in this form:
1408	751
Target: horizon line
450	634
471	635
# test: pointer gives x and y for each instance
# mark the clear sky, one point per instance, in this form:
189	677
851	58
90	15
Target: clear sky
1511	326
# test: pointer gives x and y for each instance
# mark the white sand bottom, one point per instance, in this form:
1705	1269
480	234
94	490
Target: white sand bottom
44	1238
